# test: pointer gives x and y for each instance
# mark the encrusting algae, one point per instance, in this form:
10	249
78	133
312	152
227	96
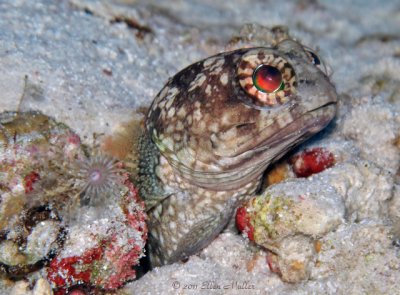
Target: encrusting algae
56	194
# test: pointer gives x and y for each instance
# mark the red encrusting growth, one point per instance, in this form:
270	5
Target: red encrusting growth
109	265
243	223
73	270
74	139
29	181
122	265
138	219
312	161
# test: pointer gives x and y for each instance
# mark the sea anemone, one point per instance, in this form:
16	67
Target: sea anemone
101	176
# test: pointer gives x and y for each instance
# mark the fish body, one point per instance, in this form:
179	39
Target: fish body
213	130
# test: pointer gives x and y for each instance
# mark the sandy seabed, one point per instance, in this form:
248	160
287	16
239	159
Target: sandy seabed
93	64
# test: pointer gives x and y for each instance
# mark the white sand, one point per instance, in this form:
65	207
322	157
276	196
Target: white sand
92	73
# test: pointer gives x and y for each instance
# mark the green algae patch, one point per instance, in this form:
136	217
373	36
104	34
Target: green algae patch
270	216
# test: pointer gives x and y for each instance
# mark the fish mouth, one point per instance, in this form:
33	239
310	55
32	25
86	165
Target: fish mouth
311	122
332	102
250	165
300	129
331	105
329	109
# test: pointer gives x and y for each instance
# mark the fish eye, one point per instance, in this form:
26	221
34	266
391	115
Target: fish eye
267	79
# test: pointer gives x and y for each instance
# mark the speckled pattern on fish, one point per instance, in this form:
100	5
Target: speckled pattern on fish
212	131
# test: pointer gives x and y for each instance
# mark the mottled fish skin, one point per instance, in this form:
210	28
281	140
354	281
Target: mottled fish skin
209	141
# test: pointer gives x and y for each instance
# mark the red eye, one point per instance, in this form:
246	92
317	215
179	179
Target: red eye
267	79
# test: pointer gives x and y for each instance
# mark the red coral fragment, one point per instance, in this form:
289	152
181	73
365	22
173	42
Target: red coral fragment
312	161
29	180
243	223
